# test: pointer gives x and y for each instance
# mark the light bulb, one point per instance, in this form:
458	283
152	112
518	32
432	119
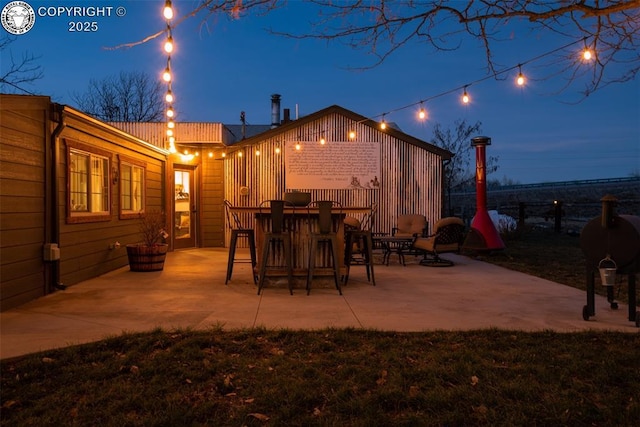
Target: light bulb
168	10
239	153
520	80
352	134
224	154
465	97
168	45
586	54
211	154
169	97
172	139
166	76
257	152
171	124
277	150
169	132
298	147
170	112
383	124
322	141
422	113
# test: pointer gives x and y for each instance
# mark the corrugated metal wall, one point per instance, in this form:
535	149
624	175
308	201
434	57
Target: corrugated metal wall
186	133
411	176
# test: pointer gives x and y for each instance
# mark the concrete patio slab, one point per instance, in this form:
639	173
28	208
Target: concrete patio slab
190	293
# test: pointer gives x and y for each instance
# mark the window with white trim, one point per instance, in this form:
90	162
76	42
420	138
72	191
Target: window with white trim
132	187
89	189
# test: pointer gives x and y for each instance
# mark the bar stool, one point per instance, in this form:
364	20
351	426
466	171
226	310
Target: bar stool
276	233
238	231
360	236
325	233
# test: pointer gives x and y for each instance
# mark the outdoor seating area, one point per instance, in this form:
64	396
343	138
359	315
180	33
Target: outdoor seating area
322	241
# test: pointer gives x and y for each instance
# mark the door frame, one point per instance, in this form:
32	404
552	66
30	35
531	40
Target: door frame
195	204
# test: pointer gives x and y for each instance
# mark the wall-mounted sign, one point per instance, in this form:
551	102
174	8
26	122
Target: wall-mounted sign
334	165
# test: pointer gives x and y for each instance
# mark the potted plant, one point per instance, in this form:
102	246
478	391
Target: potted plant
149	255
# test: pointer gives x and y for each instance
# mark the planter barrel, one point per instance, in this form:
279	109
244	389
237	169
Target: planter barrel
147	258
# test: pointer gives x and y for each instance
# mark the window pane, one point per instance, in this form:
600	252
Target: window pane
78	172
137	189
132	188
125	177
99	185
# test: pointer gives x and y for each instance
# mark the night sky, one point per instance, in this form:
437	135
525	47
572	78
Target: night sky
223	66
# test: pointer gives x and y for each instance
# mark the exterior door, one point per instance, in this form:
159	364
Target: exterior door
185	208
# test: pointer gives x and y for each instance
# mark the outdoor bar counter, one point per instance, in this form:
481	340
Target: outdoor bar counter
299	219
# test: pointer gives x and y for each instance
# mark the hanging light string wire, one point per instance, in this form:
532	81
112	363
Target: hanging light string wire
491	76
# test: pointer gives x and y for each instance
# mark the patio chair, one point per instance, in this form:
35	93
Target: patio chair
325	233
359	244
411	225
276	236
239	231
448	237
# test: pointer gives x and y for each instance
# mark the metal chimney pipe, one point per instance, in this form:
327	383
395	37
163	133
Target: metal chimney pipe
275	110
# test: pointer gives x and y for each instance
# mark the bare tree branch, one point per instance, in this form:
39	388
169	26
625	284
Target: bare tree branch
383	27
127	97
19	72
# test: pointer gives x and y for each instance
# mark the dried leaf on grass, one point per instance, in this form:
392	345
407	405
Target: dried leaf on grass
261	417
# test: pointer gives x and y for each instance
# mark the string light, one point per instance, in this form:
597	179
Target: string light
278	150
169	97
465	96
171	124
520	80
352	134
211	154
168	45
170	112
166	76
168	10
322	139
422	113
298	146
383	124
257	152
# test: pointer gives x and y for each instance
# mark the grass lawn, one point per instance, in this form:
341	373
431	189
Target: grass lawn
341	377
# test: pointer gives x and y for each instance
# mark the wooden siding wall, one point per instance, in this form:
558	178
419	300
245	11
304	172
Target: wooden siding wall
411	176
24	140
212	210
84	247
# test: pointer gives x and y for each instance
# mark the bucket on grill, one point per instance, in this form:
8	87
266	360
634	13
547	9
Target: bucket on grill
607	268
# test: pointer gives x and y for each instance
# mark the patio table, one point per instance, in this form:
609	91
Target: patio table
391	244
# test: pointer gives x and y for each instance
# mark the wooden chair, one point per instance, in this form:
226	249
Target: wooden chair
276	234
359	244
448	237
325	233
239	231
